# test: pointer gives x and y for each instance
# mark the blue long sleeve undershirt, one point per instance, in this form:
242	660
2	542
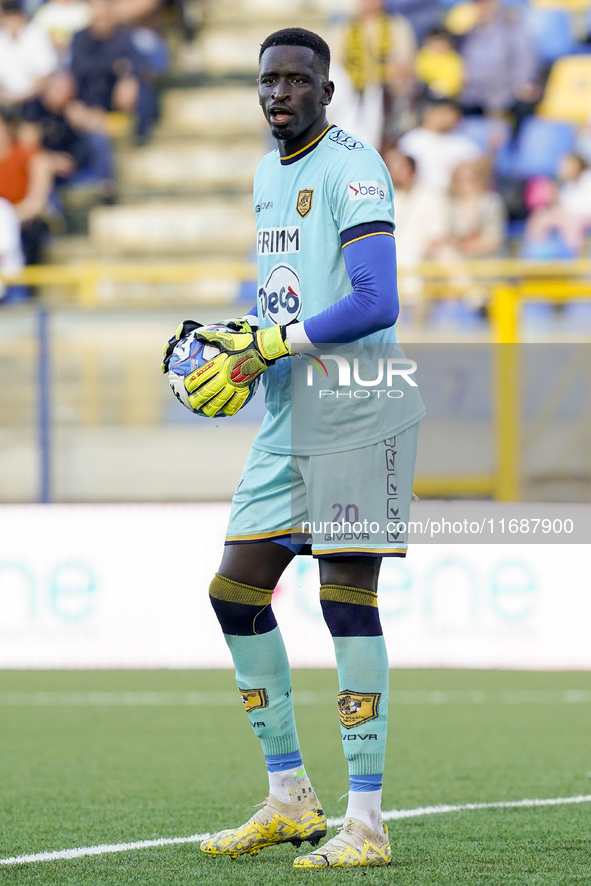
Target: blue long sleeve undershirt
370	257
369	251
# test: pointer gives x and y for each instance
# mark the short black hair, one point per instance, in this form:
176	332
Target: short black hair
12	6
300	37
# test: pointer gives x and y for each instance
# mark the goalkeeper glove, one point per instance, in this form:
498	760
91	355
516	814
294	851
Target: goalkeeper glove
241	324
183	329
223	384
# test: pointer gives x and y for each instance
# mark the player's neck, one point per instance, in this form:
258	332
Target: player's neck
293	145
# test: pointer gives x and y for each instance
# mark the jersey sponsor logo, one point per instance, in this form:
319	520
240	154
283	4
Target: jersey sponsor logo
275	241
356	708
253	699
280	297
340	137
260	207
366	191
304	201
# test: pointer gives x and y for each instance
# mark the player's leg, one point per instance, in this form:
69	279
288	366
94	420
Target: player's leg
241	594
348	596
379	483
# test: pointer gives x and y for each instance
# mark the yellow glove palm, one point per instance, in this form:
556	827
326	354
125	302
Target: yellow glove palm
223	384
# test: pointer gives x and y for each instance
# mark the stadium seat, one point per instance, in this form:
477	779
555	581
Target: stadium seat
568	5
489	133
568	92
577	317
552	31
537	149
552	248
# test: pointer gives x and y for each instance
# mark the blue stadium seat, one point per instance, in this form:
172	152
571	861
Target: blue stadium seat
577	317
537	317
552	32
553	248
489	133
504	2
537	150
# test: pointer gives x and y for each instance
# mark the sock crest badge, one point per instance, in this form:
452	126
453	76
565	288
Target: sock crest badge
356	708
253	699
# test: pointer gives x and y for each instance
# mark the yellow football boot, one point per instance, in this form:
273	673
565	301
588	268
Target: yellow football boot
276	822
355	846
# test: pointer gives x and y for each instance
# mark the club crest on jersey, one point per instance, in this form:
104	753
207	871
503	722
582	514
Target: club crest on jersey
356	708
304	203
253	699
280	298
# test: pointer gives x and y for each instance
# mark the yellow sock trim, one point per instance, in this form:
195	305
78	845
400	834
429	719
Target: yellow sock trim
344	594
223	588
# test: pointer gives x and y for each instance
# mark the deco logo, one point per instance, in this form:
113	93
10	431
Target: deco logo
280	297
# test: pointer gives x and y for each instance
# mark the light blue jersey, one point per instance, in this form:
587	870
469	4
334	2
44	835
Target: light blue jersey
303	203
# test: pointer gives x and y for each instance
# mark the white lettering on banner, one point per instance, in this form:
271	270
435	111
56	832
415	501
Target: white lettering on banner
99	588
407	369
277	241
367	191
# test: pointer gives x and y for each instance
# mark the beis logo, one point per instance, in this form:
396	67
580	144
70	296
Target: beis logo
367	191
280	298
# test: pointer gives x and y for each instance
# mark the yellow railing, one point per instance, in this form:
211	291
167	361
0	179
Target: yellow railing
509	283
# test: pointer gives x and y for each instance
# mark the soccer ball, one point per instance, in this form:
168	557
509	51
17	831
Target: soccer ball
188	356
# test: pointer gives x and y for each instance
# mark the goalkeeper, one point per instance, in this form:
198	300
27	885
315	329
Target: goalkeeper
326	273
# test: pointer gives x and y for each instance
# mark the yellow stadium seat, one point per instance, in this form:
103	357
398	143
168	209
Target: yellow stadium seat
567	5
568	92
461	18
119	124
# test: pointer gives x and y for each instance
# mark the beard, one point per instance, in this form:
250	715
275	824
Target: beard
282	134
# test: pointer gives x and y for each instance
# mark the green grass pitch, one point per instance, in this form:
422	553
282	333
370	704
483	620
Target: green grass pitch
80	775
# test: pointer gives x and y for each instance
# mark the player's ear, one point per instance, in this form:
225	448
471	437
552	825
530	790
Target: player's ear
327	92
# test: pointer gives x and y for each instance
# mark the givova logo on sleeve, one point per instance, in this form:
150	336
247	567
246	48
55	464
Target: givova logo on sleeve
367	191
280	298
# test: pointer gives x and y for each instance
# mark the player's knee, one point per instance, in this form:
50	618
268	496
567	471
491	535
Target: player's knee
242	610
350	612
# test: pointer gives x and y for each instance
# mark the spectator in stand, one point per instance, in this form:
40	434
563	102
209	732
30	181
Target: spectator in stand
377	52
476	219
27	55
439	66
108	69
74	139
11	255
566	220
500	64
436	146
423	15
26	180
421	211
61	19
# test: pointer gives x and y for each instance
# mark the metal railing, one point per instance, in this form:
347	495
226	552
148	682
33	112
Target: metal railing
510	283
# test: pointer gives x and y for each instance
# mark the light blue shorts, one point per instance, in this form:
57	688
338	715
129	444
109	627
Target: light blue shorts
341	503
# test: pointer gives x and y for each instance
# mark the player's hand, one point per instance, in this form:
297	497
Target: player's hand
183	329
238	324
223	384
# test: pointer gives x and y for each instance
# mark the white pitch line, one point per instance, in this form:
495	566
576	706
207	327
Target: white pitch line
392	815
301	697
